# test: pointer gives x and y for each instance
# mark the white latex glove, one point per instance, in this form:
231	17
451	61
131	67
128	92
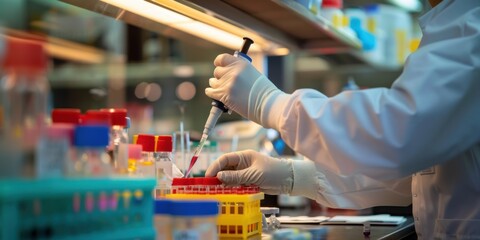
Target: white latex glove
272	175
242	88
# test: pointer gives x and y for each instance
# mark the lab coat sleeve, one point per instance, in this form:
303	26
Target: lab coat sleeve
429	115
352	192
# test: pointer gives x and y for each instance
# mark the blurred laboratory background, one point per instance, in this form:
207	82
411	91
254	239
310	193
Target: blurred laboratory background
104	55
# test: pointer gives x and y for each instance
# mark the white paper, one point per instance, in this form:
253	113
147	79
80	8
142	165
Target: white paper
302	219
381	219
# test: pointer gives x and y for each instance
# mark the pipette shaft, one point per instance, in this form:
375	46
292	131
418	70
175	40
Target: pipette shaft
217	109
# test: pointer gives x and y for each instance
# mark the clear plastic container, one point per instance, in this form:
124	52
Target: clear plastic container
118	139
163	165
25	91
392	37
90	157
194	220
332	11
146	165
53	151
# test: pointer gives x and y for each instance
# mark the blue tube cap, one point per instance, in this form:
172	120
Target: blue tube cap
91	136
194	208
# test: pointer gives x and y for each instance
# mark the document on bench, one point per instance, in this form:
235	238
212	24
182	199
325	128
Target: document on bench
302	219
381	219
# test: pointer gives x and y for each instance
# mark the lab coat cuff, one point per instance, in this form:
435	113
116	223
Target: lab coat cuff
304	181
273	110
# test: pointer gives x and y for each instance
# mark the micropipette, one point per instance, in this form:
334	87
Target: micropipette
217	109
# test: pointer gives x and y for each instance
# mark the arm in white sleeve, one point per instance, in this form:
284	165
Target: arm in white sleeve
352	192
430	114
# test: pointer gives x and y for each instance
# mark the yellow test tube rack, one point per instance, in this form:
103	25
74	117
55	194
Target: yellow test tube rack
239	207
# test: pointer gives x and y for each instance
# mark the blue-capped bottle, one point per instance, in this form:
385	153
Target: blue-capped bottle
90	158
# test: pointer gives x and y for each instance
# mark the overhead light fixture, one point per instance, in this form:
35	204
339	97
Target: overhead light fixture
197	23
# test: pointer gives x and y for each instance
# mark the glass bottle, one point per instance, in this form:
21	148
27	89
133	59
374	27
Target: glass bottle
25	91
146	165
90	158
53	151
118	139
163	165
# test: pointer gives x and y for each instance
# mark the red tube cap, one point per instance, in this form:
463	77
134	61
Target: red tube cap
164	143
183	181
332	4
94	117
147	141
25	55
66	115
118	116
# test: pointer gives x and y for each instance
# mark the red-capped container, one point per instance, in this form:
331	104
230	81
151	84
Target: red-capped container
26	56
26	91
164	143
96	117
118	116
332	4
147	141
66	115
146	166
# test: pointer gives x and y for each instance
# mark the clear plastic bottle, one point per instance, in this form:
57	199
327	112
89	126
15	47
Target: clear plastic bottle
53	151
118	139
163	165
25	91
90	158
332	11
146	165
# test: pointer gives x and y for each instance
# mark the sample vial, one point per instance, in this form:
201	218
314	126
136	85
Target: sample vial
25	90
118	138
366	229
146	165
332	11
53	151
90	158
163	165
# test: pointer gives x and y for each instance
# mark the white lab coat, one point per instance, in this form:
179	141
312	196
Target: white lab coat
367	144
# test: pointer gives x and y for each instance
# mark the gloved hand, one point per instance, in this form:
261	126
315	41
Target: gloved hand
273	176
242	88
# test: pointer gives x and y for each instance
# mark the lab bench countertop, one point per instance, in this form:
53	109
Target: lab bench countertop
405	231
